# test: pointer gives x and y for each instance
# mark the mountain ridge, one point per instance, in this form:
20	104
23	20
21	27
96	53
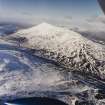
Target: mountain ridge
66	47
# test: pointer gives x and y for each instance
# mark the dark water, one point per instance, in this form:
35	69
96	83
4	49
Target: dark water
34	101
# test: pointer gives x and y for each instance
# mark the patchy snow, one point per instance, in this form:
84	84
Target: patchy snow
17	74
25	75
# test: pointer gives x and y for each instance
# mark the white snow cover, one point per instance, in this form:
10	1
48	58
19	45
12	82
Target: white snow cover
67	47
25	75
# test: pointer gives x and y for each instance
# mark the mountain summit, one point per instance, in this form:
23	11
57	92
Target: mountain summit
68	48
46	31
43	27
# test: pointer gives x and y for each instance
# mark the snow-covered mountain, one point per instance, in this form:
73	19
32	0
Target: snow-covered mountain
68	48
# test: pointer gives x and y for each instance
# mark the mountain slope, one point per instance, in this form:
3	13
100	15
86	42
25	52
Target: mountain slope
68	48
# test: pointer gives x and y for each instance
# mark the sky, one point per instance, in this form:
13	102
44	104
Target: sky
34	11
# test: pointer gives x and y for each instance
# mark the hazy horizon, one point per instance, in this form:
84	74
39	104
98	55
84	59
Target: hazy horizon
54	11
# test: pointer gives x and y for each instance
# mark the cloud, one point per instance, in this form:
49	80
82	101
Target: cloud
68	17
26	14
93	27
